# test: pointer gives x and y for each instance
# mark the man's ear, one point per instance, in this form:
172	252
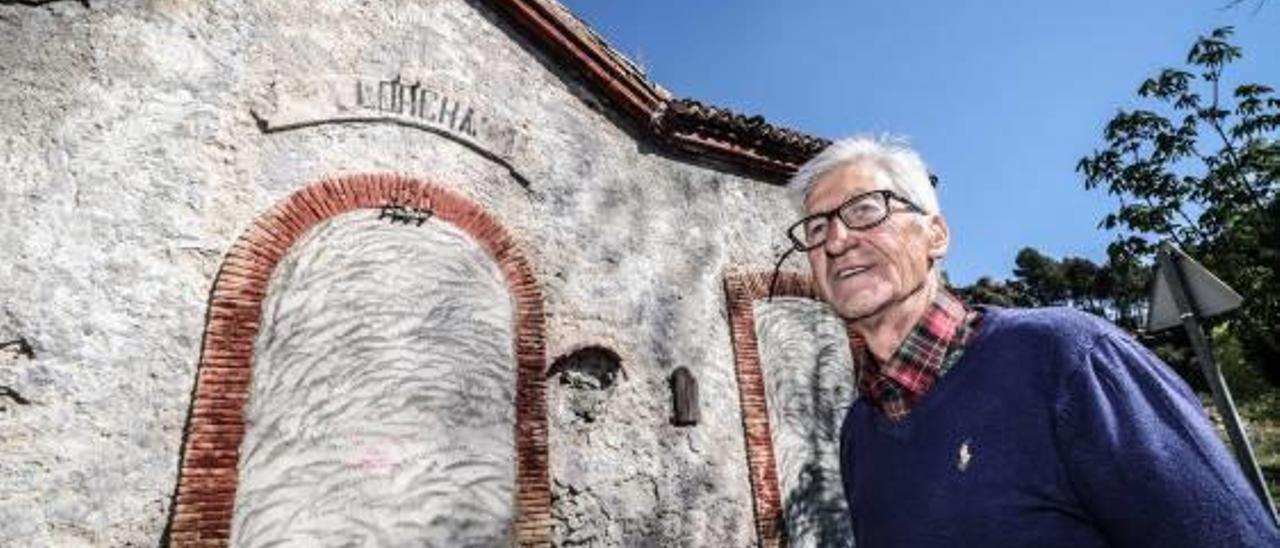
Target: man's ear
939	237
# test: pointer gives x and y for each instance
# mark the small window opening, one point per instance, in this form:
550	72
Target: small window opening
588	377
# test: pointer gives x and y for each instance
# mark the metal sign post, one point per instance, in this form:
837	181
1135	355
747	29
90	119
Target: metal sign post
1194	293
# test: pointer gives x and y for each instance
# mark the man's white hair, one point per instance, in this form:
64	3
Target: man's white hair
903	167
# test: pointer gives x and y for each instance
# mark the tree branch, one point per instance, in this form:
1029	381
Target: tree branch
1216	124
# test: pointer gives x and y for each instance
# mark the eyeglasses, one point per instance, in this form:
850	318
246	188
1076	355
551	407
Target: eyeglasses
862	212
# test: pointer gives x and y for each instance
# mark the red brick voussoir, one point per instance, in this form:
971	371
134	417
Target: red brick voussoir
742	289
208	476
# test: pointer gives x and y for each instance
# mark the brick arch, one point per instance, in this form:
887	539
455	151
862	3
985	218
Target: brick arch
742	289
209	475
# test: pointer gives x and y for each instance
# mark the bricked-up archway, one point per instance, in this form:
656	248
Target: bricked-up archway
208	478
742	290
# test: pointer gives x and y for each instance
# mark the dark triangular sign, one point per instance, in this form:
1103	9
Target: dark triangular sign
1209	294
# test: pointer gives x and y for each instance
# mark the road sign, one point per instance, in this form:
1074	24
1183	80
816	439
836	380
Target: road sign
1187	292
1209	295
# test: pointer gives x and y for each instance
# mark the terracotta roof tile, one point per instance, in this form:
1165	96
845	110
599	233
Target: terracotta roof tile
706	132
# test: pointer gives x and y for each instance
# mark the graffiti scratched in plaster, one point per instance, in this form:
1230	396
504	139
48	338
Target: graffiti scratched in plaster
397	212
381	410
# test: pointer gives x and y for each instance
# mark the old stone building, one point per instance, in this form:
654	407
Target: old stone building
408	273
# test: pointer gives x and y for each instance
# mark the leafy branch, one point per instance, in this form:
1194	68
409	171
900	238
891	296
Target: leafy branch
1200	166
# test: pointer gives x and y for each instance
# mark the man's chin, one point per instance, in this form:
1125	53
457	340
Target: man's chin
858	308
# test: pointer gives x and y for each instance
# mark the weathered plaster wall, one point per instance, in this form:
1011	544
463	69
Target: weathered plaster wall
131	158
381	409
809	384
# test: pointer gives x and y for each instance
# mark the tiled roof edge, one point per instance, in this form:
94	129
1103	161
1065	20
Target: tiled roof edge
748	144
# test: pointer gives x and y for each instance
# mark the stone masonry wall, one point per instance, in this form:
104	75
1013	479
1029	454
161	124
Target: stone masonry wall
138	140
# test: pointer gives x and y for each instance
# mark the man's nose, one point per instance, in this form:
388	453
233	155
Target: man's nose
839	238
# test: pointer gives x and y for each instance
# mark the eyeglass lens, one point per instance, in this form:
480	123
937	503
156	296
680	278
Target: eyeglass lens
859	213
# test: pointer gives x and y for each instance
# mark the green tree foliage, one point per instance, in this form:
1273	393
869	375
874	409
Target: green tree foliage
1127	282
1042	276
1201	168
1008	294
1117	290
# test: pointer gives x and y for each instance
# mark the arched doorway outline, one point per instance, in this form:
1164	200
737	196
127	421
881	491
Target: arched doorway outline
742	290
208	475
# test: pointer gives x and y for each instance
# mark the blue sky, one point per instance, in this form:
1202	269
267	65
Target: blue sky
1001	97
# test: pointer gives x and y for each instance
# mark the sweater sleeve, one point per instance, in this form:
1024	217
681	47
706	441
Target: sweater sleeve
1143	459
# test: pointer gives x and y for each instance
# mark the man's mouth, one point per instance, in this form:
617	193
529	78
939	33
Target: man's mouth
850	271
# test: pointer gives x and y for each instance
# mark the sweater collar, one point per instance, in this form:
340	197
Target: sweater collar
928	351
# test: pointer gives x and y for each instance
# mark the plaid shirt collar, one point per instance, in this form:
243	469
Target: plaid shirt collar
929	350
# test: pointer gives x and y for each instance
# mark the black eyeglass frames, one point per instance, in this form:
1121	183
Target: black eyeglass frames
861	212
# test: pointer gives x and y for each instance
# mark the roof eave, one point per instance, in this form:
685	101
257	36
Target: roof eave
705	132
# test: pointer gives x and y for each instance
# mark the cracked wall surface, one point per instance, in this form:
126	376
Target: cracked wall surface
131	159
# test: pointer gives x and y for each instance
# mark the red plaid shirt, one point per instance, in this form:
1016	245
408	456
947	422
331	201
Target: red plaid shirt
930	349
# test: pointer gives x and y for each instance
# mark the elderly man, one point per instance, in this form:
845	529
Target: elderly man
981	426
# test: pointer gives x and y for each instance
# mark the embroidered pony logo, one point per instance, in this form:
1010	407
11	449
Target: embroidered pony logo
966	456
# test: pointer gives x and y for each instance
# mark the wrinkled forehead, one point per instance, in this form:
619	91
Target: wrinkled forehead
833	187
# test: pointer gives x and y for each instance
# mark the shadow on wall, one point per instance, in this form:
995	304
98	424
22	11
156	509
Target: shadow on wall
815	507
809	381
792	360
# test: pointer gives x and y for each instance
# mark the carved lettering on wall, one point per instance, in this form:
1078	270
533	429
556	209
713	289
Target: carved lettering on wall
433	105
420	102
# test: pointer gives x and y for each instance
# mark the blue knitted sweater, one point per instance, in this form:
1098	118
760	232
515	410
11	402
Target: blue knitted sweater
1054	429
